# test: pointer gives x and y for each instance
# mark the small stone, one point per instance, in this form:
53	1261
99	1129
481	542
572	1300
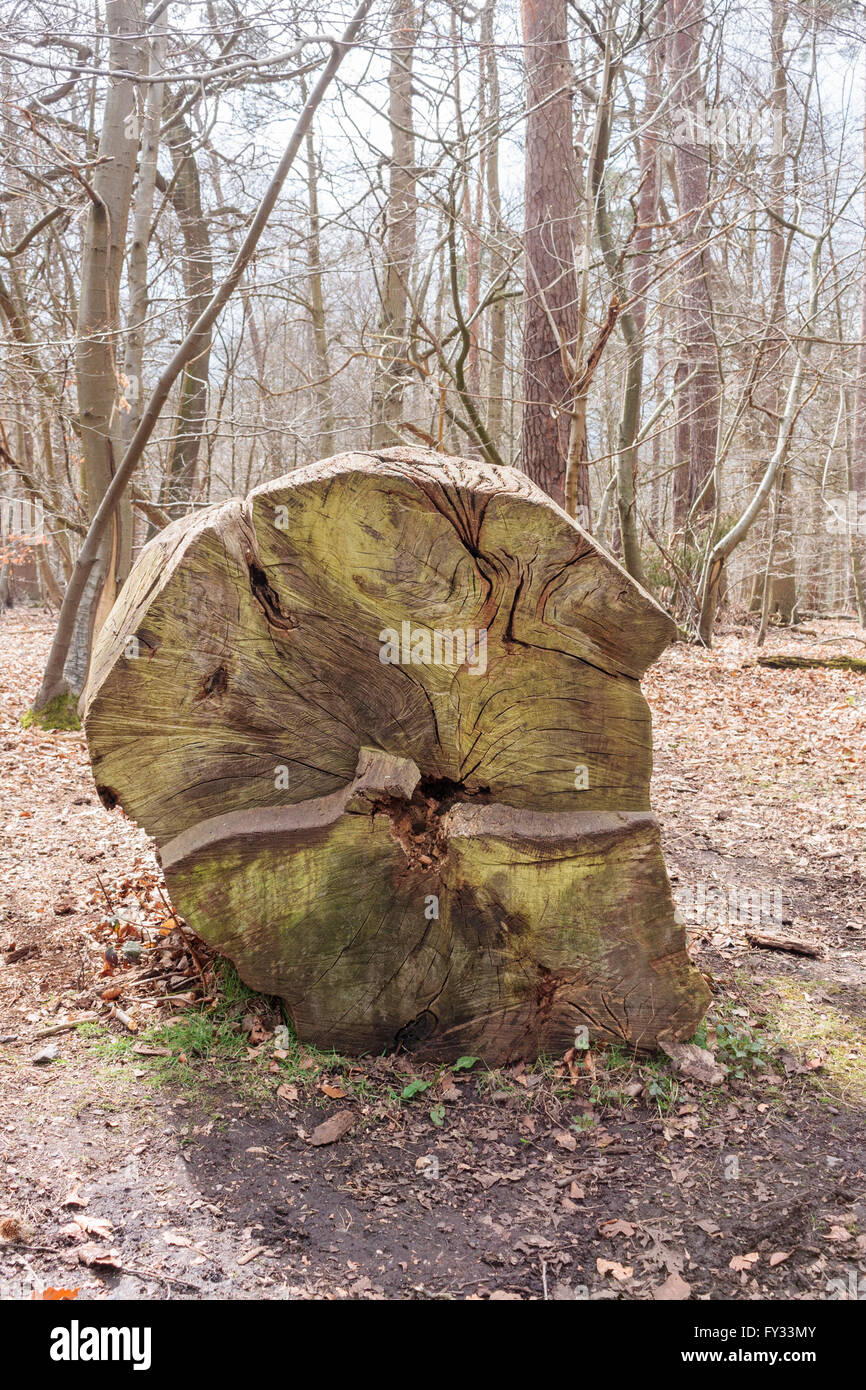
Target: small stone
48	1054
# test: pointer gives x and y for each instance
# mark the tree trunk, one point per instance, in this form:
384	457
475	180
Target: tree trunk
98	326
550	307
647	211
498	233
393	369
323	390
857	484
782	597
698	403
138	251
384	721
197	265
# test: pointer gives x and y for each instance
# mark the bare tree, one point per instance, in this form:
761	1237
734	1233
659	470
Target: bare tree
551	298
698	403
400	217
98	329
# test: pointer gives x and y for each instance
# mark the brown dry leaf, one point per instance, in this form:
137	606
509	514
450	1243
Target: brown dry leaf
143	1050
287	1092
576	1192
694	1062
615	1228
333	1129
779	1257
73	1199
335	1092
674	1289
838	1233
258	1033
94	1226
93	1254
174	1238
573	1066
744	1262
566	1140
619	1272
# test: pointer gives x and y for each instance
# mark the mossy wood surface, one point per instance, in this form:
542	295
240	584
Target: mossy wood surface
450	855
782	661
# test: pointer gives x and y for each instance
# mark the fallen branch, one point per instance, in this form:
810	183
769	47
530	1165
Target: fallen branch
782	662
792	944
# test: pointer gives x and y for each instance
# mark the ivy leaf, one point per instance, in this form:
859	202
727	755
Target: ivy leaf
414	1089
464	1063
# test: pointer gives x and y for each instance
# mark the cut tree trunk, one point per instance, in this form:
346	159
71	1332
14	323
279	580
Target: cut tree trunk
384	721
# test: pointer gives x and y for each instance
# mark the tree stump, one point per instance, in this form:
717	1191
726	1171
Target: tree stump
383	719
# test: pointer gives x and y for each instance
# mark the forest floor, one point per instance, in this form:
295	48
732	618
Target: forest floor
172	1146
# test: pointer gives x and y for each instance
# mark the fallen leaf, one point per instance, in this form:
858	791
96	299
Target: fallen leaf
615	1228
779	1257
674	1289
335	1092
566	1140
174	1238
333	1129
619	1272
711	1227
93	1254
94	1226
694	1062
73	1199
838	1233
744	1262
257	1032
570	1060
